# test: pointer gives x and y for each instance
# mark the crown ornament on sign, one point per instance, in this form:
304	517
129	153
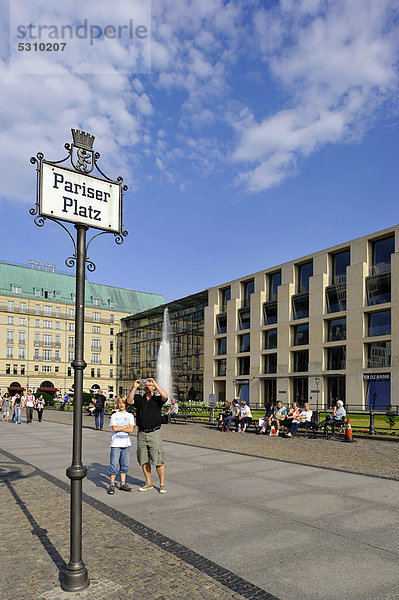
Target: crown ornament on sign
81	139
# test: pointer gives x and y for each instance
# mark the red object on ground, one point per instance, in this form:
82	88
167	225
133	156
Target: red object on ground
349	436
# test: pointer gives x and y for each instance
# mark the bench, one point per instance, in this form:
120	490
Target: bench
249	423
182	416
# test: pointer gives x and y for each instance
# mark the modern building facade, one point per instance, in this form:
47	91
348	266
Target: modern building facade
318	328
140	338
37	338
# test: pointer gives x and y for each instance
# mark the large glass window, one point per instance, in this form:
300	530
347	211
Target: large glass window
270	313
304	273
221	346
378	288
336	298
300	361
270	339
248	288
336	358
381	253
300	306
273	280
221	324
244	343
270	363
225	296
336	330
335	390
243	365
300	389
244	319
379	355
340	261
379	323
220	367
301	335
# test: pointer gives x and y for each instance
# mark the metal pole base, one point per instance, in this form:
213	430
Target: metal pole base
75	578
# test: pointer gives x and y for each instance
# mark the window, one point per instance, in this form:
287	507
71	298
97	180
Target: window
379	323
244	343
16	289
244	318
22	307
48	294
47	355
36	354
10	352
69	372
96	301
98	372
270	313
273	282
220	367
270	363
36	368
57	369
10	305
95	345
336	298
70	356
112	318
96	316
95	358
37	309
46	368
381	254
58	295
47	340
270	339
300	306
111	331
57	355
111	345
57	340
10	320
22	369
111	304
22	321
37	292
47	324
247	290
92	372
111	359
336	330
37	339
304	273
243	365
71	313
225	296
57	324
71	342
8	369
21	353
378	355
15	369
22	337
57	311
10	337
221	346
47	310
37	323
336	358
378	289
300	335
96	329
339	262
221	324
300	361
71	326
111	373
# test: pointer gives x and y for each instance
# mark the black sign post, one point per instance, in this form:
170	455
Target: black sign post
94	207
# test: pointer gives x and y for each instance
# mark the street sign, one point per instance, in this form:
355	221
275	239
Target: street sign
79	198
212	400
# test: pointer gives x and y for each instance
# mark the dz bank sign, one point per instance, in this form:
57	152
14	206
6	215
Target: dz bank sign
79	198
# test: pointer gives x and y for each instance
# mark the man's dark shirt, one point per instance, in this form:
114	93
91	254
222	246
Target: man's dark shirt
148	412
100	401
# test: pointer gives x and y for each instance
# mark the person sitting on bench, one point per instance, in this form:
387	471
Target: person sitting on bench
173	410
245	417
263	421
304	419
234	414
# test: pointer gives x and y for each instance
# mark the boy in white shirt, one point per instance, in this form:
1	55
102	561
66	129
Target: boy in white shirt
122	423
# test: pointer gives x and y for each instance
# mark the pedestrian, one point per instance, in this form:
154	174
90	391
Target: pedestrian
101	404
149	439
65	401
30	405
17	407
122	424
5	407
40	404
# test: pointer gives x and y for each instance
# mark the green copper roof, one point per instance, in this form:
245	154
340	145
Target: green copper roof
60	287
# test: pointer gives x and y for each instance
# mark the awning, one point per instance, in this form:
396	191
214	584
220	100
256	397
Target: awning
48	389
16	388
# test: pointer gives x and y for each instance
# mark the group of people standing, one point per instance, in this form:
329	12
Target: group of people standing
17	403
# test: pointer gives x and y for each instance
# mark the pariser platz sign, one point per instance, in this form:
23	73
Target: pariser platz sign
79	198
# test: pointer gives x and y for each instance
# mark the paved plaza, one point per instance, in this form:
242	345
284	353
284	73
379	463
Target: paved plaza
244	516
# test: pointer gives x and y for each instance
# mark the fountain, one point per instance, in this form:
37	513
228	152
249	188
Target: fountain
164	363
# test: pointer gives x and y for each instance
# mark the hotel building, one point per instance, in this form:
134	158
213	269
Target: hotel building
37	323
322	327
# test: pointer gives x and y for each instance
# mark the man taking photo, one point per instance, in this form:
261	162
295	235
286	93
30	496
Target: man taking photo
149	439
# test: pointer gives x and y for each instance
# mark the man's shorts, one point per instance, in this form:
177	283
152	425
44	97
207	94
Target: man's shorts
150	448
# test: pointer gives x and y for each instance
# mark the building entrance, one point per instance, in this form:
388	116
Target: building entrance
378	394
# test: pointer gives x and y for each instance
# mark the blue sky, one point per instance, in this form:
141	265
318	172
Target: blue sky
263	131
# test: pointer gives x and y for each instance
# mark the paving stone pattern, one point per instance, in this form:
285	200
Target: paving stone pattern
122	564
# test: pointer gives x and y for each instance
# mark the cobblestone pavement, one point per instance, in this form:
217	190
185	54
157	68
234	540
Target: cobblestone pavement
366	456
126	559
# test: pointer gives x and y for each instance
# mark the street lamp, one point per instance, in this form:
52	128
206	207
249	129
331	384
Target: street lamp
317	381
371	407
